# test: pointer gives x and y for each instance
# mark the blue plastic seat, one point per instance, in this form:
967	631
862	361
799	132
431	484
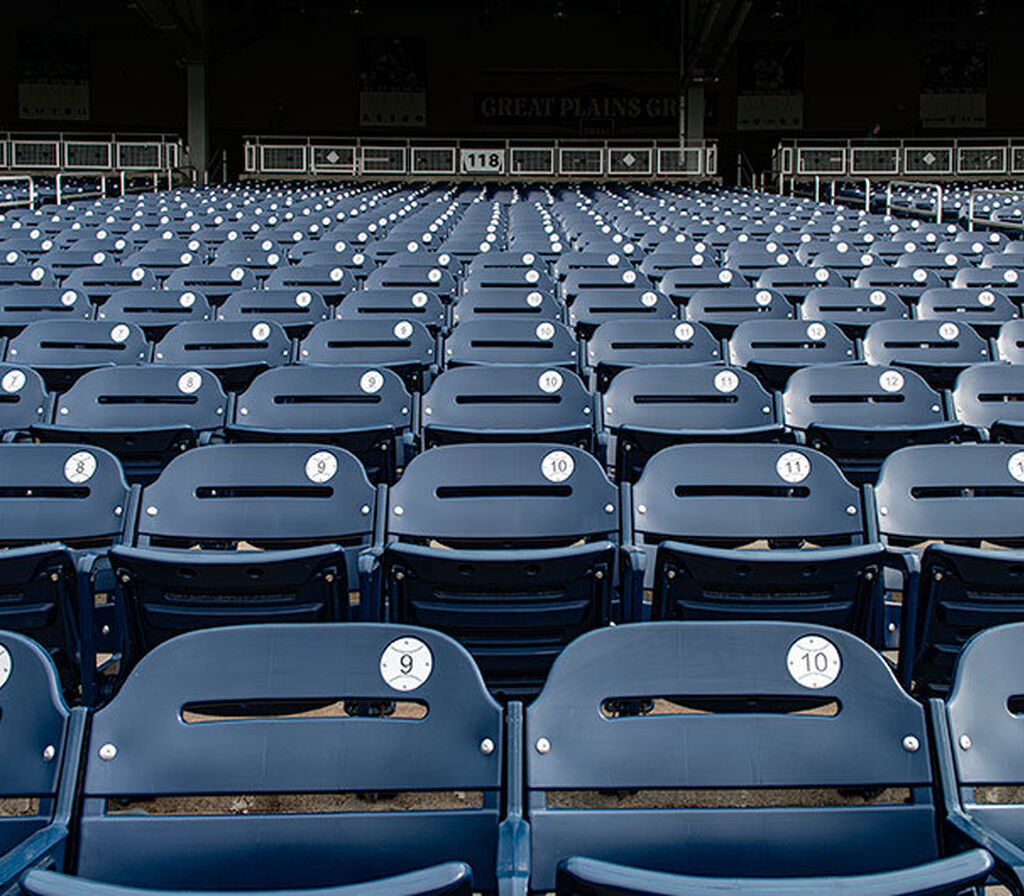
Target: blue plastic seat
853	309
977	735
216	282
295	310
215	718
99	282
964	504
720	310
278	529
394	303
858	414
488	304
754	532
625	279
592	307
60	507
1010	342
143	416
652	407
511	549
936	349
989	397
508	404
507	278
63	350
511	341
22	305
748	774
26	275
682	283
794	281
41	741
413	277
618	345
234	350
907	283
983	309
774	349
331	280
365	411
404	346
155	310
24	400
164	260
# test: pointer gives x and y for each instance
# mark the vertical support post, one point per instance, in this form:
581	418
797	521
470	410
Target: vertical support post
683	133
198	126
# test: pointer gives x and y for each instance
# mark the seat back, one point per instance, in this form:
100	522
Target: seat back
722	309
485	304
216	282
1010	342
205	722
63	350
512	341
394	303
22	305
775	348
155	310
617	345
294	309
405	346
235	350
989	396
936	349
851	308
24	400
593	307
680	284
33	726
723	747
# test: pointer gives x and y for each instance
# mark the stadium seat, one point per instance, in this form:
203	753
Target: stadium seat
395	304
1010	342
230	534
984	309
234	350
851	309
295	310
22	305
772	758
592	307
24	400
216	282
938	350
989	397
155	310
958	502
511	341
511	549
366	411
774	349
487	304
720	310
754	532
329	280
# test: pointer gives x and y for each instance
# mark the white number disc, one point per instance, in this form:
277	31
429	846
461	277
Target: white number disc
726	381
1016	465
725	276
237	274
648	300
79	467
545	330
68	298
629	276
336	274
13	381
187	299
260	332
813	662
550	381
532	276
419	299
190	381
534	299
793	466
877	297
120	333
1011	276
986	298
406	664
303	299
683	332
816	331
821	275
557	466
949	331
402	330
891	381
321	466
920	275
5	665
763	297
371	381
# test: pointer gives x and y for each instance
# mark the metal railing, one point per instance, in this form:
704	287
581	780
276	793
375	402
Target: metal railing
911	209
30	200
88	153
973	219
478	158
971	157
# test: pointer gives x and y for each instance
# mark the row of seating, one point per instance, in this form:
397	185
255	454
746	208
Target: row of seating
684	758
856	413
512	548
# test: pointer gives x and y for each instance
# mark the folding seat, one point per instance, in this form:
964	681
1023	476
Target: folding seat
26	275
680	284
511	341
393	303
421	277
753	260
507	260
976	733
1010	342
767	750
99	282
488	304
24	400
316	254
63	261
852	309
143	416
907	283
216	282
366	411
508	404
331	281
22	305
590	261
720	310
618	345
1006	281
945	264
795	281
41	741
621	279
890	250
858	414
61	507
155	310
938	350
231	534
989	398
508	278
592	307
726	531
509	548
295	310
999	261
983	309
774	349
404	346
242	733
251	255
958	502
62	350
672	258
649	408
164	260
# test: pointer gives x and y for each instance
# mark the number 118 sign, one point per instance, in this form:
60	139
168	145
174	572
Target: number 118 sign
483	161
